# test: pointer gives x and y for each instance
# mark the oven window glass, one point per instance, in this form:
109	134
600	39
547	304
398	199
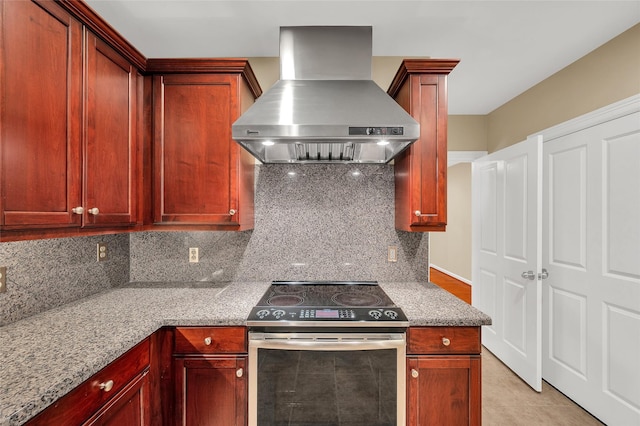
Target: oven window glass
327	387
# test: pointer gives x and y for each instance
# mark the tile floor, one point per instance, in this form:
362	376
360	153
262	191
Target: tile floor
507	400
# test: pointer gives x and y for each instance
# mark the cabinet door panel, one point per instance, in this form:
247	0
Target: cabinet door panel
443	390
433	156
196	161
41	109
129	408
211	391
110	137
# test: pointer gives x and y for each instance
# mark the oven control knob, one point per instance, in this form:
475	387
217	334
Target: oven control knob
391	314
279	313
262	313
375	314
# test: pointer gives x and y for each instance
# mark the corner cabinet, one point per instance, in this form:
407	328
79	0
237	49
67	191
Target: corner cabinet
210	376
68	157
117	395
443	376
420	87
201	177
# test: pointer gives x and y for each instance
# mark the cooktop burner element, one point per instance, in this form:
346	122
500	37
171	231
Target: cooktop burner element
326	304
285	300
356	298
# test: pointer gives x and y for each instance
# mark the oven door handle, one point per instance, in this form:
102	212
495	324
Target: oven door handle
327	341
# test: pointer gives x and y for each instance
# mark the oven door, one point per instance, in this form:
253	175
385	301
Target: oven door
327	378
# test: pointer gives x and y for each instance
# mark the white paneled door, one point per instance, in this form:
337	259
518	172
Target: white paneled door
506	204
591	247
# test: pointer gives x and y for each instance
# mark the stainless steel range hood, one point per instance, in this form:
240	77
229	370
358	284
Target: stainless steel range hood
325	107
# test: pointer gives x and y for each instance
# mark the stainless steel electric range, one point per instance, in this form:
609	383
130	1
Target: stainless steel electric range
325	304
327	353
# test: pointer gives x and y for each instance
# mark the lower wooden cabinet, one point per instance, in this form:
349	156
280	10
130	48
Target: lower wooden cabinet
128	407
443	390
210	376
116	395
211	390
444	376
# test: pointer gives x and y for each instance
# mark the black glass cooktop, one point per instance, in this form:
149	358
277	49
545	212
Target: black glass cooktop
325	293
326	303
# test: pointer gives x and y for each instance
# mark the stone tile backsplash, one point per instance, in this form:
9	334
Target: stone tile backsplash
44	274
313	222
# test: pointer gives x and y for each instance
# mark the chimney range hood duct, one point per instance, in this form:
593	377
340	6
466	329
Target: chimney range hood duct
325	108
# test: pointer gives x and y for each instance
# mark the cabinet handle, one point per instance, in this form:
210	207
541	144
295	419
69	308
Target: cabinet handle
78	210
207	341
414	373
94	211
418	213
232	212
107	386
239	372
446	341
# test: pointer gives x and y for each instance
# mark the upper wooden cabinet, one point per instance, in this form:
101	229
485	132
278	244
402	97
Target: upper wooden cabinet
68	156
41	77
420	87
201	177
110	166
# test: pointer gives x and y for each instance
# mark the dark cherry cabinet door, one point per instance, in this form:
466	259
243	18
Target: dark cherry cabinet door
41	78
443	390
130	407
420	87
116	395
195	160
110	137
211	390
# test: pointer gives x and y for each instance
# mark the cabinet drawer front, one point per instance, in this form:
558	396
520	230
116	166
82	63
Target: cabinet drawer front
443	340
210	340
87	398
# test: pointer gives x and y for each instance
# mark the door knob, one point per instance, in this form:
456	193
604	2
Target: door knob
543	275
529	275
78	210
94	211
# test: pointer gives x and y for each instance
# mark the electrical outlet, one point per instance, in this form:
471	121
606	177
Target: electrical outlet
3	279
392	254
193	255
103	254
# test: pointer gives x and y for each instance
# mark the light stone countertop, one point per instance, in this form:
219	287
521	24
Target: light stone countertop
45	356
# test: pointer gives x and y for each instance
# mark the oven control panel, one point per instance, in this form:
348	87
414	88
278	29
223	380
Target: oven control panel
262	314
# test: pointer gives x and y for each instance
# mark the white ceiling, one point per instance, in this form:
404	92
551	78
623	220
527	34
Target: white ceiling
505	46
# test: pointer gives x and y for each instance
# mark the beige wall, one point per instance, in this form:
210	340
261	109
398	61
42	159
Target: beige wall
467	133
607	75
451	250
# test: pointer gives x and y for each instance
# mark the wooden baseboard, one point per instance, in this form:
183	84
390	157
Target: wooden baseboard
453	285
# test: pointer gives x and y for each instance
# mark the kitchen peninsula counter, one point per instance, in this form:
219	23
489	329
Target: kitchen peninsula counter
47	355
